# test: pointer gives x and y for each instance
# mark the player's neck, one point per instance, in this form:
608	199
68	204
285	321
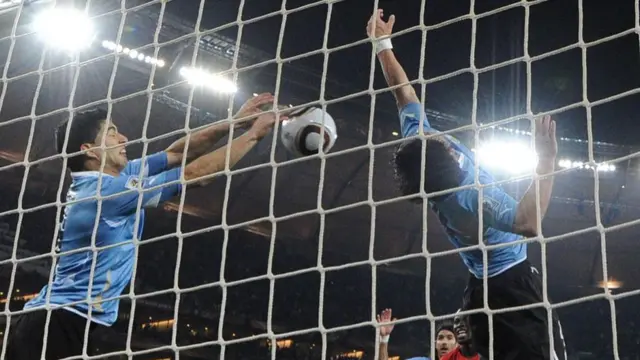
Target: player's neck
467	350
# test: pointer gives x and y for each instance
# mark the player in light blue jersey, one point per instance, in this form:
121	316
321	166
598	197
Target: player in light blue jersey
126	188
512	281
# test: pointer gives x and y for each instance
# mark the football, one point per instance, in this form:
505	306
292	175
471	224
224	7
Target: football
308	130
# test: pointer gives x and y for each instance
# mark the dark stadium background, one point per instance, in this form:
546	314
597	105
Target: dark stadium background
573	263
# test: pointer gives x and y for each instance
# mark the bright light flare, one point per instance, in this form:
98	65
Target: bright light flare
214	82
611	284
511	157
66	29
568	164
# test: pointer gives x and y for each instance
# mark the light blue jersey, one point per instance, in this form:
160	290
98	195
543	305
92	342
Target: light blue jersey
114	265
458	212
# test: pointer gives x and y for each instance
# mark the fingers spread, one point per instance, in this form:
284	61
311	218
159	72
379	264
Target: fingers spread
392	20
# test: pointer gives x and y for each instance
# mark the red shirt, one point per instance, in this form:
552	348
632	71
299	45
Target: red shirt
456	354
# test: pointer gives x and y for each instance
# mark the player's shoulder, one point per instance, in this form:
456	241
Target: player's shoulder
137	167
86	181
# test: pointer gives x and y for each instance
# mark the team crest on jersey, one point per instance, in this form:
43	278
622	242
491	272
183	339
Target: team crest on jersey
489	204
132	183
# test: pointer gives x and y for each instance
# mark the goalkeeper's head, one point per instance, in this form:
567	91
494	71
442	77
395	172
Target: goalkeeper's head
86	132
441	170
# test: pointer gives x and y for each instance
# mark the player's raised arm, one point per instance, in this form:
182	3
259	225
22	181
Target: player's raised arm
163	186
526	220
215	161
384	330
501	211
380	30
200	142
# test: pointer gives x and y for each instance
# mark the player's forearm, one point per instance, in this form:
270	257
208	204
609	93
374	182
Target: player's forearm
526	222
200	142
383	351
395	75
214	162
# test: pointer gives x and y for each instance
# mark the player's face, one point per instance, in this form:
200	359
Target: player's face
114	146
445	342
461	329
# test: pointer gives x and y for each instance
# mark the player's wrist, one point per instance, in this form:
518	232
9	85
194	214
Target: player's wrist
546	165
383	44
384	339
254	134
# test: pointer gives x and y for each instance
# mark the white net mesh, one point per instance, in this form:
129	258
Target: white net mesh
341	243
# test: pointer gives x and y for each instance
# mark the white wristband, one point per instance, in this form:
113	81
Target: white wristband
384	339
384	44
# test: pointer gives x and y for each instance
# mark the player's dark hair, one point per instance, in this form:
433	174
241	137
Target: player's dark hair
441	170
445	325
85	127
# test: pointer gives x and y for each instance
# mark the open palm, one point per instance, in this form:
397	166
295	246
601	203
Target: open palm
384	320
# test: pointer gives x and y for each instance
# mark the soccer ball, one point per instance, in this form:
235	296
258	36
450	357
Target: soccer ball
302	133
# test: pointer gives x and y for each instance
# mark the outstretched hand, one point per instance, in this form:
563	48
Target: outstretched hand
377	27
251	108
545	138
264	123
384	319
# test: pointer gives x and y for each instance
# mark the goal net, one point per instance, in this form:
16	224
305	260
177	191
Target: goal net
285	256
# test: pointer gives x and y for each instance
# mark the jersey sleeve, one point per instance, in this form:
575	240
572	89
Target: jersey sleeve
125	190
498	207
154	165
410	117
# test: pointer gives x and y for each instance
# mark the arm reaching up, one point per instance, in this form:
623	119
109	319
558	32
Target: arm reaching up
215	161
526	221
385	330
380	30
500	210
203	140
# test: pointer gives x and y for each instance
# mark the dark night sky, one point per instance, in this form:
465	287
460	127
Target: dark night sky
556	80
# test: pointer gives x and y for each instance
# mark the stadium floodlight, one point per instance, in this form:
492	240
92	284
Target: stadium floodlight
510	157
66	29
109	45
133	54
198	77
568	164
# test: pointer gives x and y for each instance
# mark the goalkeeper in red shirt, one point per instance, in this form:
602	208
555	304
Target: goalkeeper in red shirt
464	350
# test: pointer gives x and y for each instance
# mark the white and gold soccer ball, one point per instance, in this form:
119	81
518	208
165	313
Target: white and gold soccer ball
302	134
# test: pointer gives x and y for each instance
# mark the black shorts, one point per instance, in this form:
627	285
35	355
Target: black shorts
523	334
64	339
